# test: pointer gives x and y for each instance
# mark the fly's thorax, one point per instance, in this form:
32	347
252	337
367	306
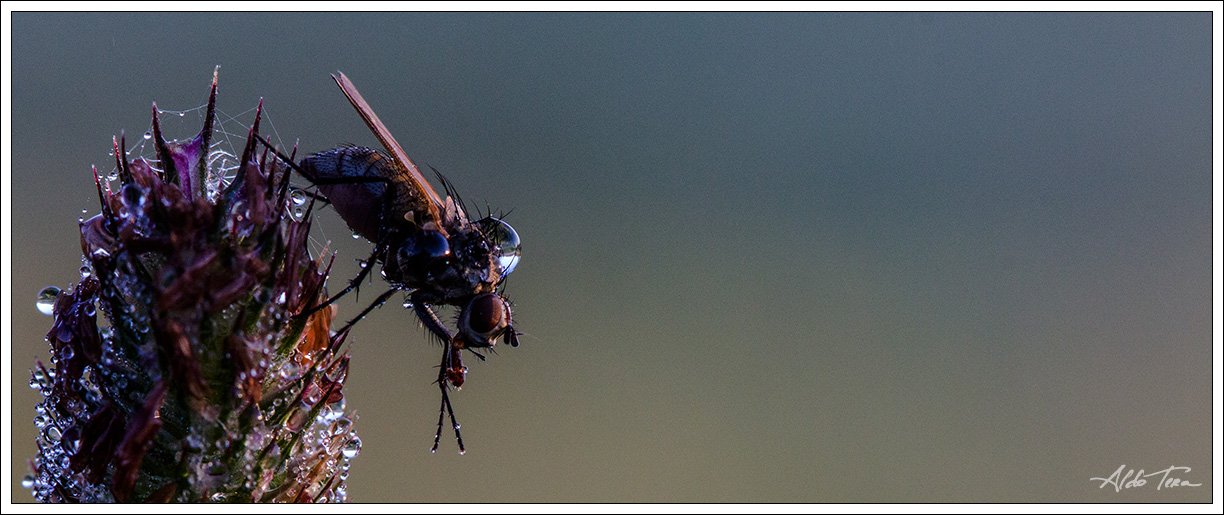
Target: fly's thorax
443	268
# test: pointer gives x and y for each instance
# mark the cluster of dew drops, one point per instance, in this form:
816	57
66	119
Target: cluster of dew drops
59	439
330	431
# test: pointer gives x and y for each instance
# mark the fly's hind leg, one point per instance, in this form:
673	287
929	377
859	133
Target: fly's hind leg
450	370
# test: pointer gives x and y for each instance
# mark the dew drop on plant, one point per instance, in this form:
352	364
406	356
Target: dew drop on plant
298	197
312	396
352	448
148	134
46	300
27	482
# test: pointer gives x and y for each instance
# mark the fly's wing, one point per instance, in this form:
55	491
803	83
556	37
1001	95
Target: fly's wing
406	172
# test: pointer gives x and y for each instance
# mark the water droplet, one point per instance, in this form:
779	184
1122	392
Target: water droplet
341	426
182	114
312	395
299	214
504	237
352	448
148	134
355	236
27	482
67	352
52	434
46	300
86	272
408	304
297	197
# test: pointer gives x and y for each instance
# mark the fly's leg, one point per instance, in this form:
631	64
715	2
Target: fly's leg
377	302
450	370
449	354
354	284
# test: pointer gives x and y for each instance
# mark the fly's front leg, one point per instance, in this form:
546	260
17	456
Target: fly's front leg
450	370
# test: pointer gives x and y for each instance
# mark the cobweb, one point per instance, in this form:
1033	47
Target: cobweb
228	139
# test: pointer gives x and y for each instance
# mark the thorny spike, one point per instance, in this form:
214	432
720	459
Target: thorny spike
121	162
210	115
263	165
284	189
169	172
101	196
252	136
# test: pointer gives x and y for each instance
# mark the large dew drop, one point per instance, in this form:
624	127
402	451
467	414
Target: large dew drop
509	248
46	300
351	448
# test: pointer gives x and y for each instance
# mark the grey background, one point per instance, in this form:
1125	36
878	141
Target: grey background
768	257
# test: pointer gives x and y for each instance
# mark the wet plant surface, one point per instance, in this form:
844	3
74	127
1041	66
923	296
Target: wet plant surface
181	369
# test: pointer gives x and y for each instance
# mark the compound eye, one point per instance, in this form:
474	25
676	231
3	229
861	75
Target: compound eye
486	315
505	240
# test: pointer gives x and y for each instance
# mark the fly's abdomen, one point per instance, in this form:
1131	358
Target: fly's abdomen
355	180
354	183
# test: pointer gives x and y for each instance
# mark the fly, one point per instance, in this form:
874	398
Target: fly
426	245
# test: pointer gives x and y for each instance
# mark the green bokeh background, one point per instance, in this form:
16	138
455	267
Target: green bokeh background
768	257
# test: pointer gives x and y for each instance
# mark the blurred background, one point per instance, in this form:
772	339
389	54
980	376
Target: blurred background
767	257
